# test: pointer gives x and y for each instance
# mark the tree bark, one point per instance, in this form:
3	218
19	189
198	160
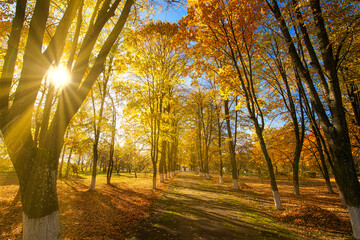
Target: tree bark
68	163
94	166
273	183
162	161
154	175
231	147
111	164
62	161
323	163
221	180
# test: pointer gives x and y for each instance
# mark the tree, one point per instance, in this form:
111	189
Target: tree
314	147
227	30
36	163
102	91
112	142
200	102
324	62
157	64
279	79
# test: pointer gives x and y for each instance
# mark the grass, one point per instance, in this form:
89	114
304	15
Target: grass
193	207
187	207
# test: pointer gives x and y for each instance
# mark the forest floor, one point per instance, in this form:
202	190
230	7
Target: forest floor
186	207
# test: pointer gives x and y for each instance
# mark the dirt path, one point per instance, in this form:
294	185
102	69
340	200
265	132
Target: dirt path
195	208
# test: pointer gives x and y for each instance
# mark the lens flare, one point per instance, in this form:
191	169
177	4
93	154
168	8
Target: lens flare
59	76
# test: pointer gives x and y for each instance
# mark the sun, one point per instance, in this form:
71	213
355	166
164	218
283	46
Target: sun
59	76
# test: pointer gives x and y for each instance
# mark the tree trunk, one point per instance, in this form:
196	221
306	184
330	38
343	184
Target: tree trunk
231	147
200	153
273	184
295	167
111	164
162	167
62	161
206	162
39	196
334	127
154	174
68	164
323	163
221	180
47	227
94	167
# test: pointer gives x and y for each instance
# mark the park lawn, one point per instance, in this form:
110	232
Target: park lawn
193	207
113	210
315	213
107	213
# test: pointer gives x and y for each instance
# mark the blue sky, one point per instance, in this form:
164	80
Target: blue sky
171	14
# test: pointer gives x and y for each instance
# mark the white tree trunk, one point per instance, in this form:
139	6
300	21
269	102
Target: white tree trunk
235	184
221	180
277	201
92	185
47	227
354	213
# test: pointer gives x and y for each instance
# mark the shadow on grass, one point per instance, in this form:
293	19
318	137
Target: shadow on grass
106	213
195	208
